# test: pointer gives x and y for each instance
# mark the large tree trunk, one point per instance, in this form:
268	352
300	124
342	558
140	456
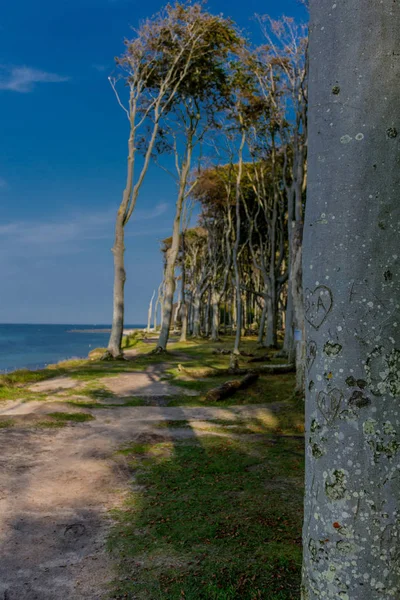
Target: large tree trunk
352	285
298	306
117	330
215	300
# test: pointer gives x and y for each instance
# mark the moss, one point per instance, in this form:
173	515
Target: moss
335	488
215	520
75	417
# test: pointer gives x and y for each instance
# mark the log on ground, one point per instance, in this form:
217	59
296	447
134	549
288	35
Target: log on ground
229	388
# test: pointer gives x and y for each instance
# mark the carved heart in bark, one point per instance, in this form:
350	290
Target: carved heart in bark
329	404
311	354
318	304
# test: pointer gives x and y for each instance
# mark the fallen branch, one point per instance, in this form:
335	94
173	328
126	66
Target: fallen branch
263	358
229	388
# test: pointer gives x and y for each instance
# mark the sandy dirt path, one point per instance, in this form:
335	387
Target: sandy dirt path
56	490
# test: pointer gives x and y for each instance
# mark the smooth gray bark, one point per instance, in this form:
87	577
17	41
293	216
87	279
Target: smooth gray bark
150	312
272	317
261	329
215	317
196	315
184	308
172	253
352	309
117	329
235	249
288	342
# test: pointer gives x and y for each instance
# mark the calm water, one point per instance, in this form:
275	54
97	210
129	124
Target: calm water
34	346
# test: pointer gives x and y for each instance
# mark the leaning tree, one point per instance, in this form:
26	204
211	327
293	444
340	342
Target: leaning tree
352	307
202	94
160	64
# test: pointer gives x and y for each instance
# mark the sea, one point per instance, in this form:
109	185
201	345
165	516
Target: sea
36	346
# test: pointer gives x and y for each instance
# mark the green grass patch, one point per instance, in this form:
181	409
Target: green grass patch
6	423
268	389
216	520
75	417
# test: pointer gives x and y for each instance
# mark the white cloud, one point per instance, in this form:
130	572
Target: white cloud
145	215
66	234
24	79
100	68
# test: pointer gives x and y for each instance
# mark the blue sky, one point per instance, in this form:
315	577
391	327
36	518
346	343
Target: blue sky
62	160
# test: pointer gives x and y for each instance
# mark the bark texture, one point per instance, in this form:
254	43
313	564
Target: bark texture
352	309
117	330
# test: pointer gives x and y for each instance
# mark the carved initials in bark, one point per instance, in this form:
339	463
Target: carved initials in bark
311	354
329	404
318	304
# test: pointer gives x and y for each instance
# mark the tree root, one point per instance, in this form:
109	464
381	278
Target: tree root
159	350
108	356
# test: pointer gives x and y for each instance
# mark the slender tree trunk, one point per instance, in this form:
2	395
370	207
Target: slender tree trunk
272	316
352	284
196	315
158	301
190	314
235	261
184	330
207	314
177	311
167	302
261	328
215	300
238	335
288	342
117	330
172	256
150	312
184	313
233	309
245	313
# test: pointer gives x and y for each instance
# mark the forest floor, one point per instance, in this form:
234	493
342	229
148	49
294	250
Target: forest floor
119	480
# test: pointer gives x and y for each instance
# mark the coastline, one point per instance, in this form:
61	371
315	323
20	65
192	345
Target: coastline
35	347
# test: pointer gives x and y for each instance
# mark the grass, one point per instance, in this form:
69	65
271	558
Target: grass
74	417
62	419
220	520
268	389
211	517
215	518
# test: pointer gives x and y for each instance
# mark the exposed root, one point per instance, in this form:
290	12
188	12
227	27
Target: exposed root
159	350
108	356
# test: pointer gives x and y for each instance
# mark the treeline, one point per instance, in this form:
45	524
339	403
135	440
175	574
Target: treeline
229	122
